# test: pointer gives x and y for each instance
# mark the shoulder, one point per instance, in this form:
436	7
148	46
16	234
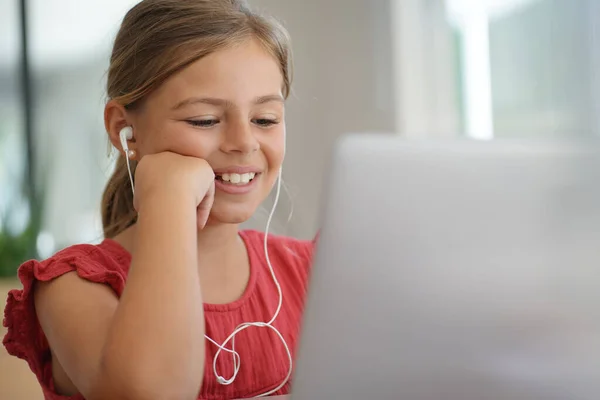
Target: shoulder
105	263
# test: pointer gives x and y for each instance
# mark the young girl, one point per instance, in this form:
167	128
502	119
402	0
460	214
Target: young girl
159	309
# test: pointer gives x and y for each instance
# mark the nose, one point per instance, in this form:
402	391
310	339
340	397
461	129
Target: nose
239	138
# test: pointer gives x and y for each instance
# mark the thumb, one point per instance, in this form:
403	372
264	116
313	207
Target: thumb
203	210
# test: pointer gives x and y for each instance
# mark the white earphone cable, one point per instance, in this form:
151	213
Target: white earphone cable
124	135
231	338
245	325
130	175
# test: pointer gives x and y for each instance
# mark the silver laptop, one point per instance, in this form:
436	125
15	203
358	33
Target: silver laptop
455	271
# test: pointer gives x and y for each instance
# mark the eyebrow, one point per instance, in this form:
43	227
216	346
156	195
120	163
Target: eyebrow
226	103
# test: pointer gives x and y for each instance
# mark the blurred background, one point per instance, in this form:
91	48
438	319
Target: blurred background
417	68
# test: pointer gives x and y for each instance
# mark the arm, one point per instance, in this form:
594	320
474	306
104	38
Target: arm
148	345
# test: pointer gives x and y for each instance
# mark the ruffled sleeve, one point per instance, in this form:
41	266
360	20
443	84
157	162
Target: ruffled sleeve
25	338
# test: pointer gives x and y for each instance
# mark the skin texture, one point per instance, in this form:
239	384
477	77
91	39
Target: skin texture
185	244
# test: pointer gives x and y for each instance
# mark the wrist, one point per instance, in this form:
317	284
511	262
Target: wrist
166	204
167	221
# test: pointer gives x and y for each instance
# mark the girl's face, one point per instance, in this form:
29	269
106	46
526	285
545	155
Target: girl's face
227	109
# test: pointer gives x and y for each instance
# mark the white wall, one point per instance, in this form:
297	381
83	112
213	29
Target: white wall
425	69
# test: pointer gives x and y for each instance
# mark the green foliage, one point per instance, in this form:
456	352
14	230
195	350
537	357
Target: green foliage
14	250
18	248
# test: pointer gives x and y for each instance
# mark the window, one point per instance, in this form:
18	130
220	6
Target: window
529	68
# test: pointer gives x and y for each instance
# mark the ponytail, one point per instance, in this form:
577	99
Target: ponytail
118	212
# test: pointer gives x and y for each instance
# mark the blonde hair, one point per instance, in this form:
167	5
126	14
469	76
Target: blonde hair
159	38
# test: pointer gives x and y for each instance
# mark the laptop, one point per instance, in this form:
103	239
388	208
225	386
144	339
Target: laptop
455	270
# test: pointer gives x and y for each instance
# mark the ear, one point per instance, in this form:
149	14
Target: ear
116	118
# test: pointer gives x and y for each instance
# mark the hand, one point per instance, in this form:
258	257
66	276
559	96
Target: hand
185	180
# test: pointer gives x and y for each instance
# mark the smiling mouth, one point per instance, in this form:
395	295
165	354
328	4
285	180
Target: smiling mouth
237	179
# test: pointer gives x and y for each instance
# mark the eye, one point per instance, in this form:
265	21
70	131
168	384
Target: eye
265	122
203	123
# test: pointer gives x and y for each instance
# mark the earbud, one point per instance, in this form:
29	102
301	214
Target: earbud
125	135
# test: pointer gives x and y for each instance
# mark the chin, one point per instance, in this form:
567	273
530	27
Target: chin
231	213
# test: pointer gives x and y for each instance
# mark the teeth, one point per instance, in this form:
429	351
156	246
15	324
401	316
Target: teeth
238	179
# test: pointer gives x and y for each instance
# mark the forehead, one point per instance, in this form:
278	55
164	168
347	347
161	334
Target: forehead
237	73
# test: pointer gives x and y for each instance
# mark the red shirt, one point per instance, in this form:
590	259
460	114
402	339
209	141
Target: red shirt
264	361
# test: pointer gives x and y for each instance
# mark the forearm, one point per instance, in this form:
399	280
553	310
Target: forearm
157	334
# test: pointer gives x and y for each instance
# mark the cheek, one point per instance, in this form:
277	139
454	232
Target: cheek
274	151
179	138
148	134
191	143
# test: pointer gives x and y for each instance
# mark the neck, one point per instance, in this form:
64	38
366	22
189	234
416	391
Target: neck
223	263
216	244
215	241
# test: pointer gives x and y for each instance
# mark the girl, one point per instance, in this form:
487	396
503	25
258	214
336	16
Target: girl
160	309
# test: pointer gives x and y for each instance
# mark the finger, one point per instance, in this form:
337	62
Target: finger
205	206
202	218
209	197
